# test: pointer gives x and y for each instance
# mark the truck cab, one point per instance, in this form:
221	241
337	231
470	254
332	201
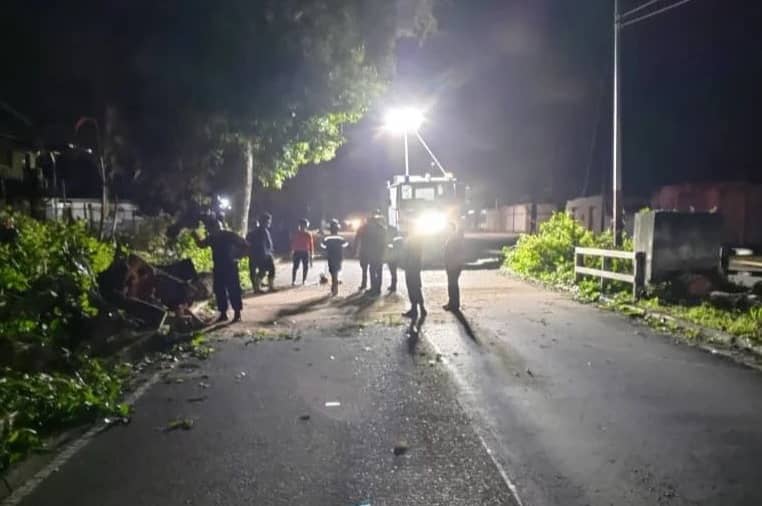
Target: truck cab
423	204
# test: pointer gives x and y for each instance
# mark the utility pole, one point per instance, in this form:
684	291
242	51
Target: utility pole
622	21
616	201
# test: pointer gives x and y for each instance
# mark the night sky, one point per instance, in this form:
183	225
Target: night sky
516	90
518	94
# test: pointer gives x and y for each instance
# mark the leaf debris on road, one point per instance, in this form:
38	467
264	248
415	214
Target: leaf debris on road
179	424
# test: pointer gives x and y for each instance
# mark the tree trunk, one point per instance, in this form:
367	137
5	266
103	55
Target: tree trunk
116	217
248	183
104	199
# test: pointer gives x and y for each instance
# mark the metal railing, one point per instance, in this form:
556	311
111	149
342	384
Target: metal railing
636	279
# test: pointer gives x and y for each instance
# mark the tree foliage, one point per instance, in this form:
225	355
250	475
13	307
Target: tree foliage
549	255
283	76
46	279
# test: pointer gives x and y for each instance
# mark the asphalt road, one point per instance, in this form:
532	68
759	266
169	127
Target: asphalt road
577	406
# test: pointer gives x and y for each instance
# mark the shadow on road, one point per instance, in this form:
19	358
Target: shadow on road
302	307
414	333
248	294
361	302
467	328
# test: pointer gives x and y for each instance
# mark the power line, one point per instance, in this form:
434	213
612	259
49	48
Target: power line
654	13
639	8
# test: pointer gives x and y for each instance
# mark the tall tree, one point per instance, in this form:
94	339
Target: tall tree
278	78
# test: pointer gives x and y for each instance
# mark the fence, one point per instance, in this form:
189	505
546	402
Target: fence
636	279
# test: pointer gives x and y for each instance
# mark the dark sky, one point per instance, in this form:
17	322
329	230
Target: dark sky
518	98
516	90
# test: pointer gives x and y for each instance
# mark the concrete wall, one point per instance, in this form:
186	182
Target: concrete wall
678	242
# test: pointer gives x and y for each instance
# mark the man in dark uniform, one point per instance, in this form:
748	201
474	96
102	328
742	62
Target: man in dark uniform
394	256
362	253
261	261
227	247
334	246
413	263
454	259
375	246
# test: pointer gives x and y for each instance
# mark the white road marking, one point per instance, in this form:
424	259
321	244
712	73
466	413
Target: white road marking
500	469
54	465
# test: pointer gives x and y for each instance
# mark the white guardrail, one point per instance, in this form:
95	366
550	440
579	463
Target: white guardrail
636	279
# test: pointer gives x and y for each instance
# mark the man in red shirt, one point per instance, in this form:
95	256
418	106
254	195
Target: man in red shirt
302	248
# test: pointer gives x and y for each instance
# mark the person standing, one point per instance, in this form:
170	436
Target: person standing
361	252
334	246
454	259
375	245
227	248
393	256
261	254
413	263
302	248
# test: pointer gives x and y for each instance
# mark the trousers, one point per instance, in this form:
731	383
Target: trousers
453	289
227	286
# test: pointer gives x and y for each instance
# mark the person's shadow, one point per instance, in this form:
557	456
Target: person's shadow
299	308
414	333
467	328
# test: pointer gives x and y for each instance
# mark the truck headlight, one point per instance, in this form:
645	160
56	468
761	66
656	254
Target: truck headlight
431	222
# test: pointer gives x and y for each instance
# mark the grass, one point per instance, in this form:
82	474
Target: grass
744	324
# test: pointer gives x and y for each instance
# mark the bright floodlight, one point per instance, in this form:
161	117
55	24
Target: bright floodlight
431	223
224	202
403	120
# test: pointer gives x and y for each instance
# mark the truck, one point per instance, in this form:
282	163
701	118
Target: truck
426	206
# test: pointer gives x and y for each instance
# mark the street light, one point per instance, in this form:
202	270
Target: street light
404	120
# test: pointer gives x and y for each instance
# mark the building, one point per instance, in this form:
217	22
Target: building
590	212
594	212
516	218
740	205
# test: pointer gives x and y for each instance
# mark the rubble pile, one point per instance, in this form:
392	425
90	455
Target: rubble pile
156	296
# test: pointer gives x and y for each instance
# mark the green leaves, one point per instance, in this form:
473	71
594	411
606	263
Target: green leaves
32	405
549	255
46	278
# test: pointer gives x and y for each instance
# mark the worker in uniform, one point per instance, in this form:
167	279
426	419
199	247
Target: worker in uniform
261	258
227	248
334	246
413	264
375	245
394	255
454	259
361	252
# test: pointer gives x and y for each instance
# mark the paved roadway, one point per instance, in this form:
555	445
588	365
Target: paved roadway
577	406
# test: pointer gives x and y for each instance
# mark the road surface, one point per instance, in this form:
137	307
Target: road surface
531	397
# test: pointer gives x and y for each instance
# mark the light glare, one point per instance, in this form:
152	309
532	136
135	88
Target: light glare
403	120
431	223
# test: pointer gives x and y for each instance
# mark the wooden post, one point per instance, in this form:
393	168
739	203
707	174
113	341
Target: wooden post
639	270
578	262
604	267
